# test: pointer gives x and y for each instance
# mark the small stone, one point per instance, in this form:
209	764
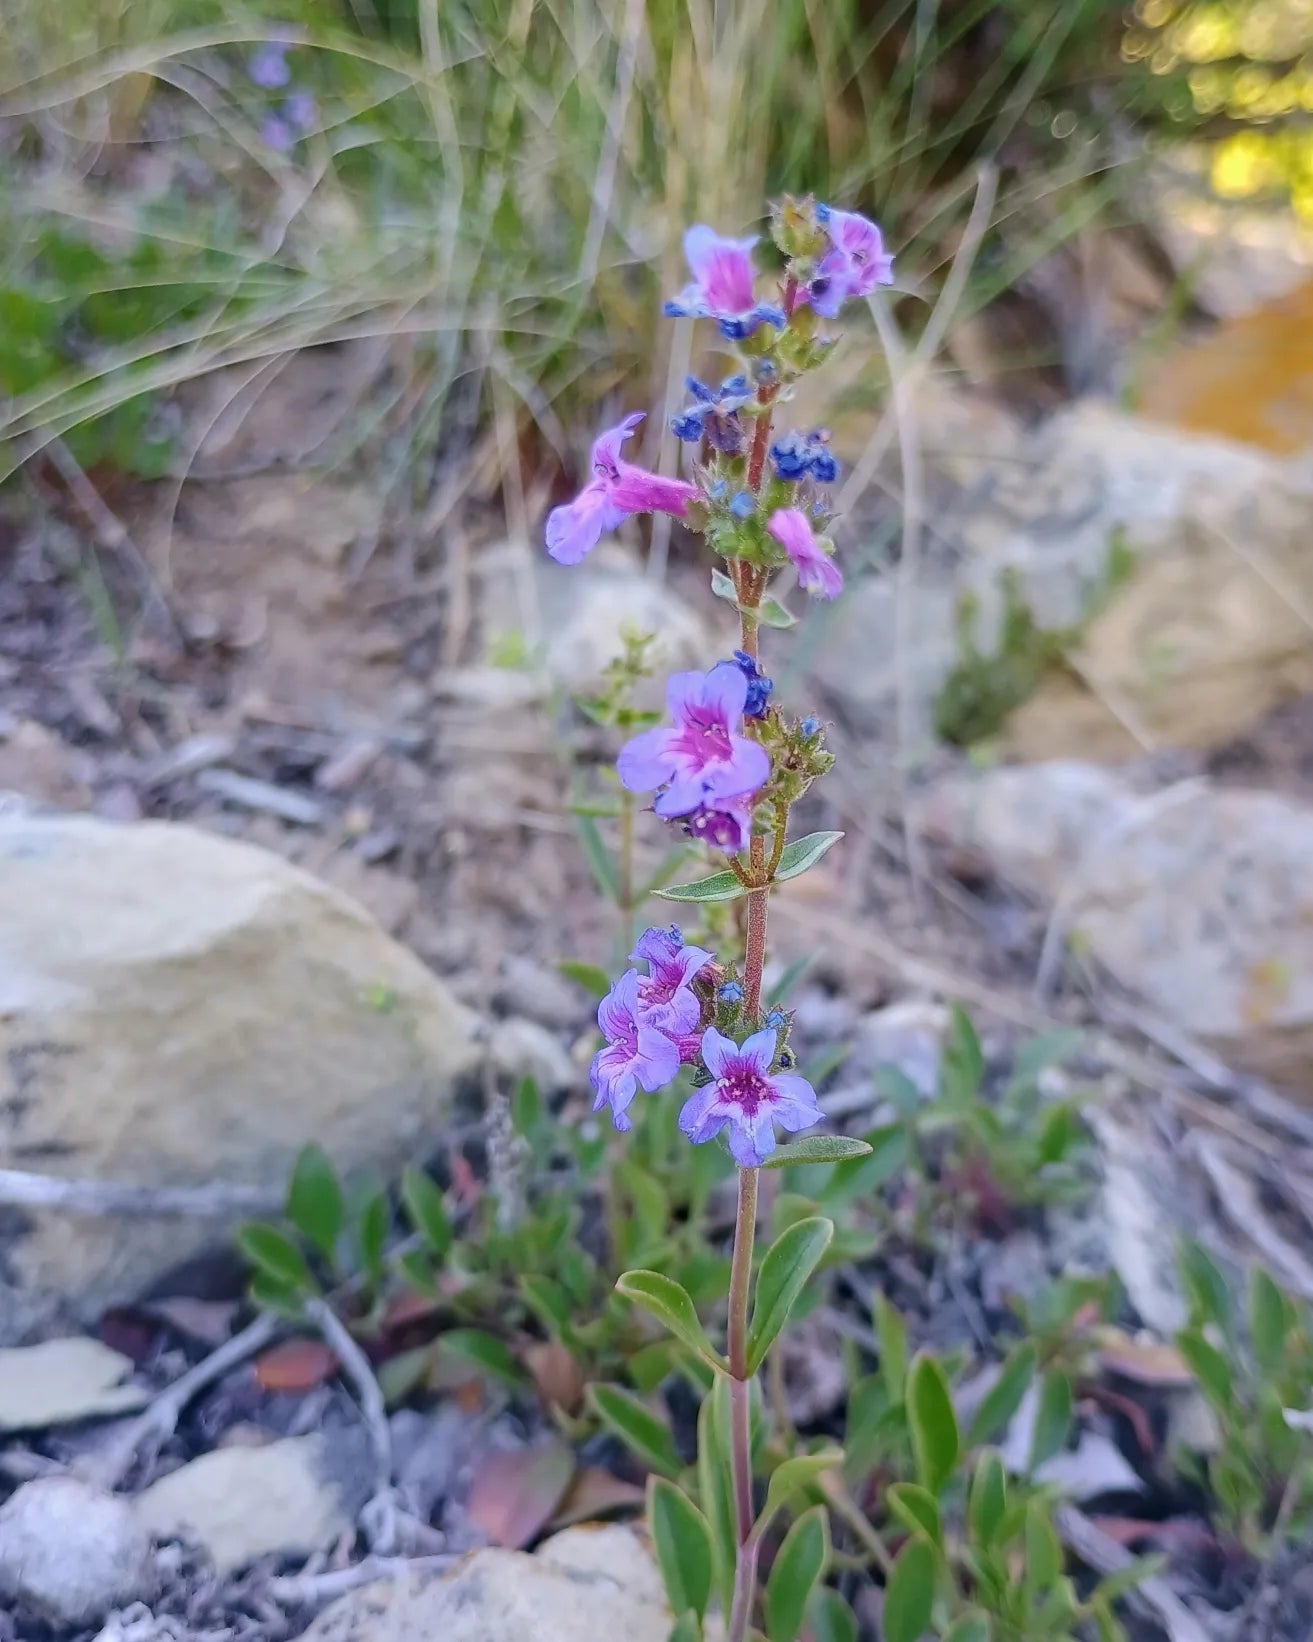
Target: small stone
290	1497
533	990
585	1585
63	1380
72	1552
522	1049
909	1035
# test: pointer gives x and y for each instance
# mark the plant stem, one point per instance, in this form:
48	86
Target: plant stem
755	956
740	1390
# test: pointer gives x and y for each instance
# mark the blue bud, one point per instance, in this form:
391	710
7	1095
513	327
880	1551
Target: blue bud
699	390
822	213
731	992
763	370
744	505
787	1059
777	1018
687	426
759	686
809	727
825	470
734	387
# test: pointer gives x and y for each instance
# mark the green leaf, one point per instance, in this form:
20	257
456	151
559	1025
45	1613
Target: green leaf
1052	1418
716	1485
426	1210
591	977
785	1271
1269	1321
935	1438
1209	1367
987	1502
635	1424
899	1090
817	1149
798	1566
1003	1398
270	1295
1116	1585
276	1257
550	1304
668	1301
371	1236
771	613
687	1628
526	1108
971	1627
1207	1289
830	1617
891	1331
721	886
315	1204
600	860
963	1063
789	977
723	587
916	1508
804	853
681	1538
1043	1547
485	1351
861	1177
793	1476
910	1594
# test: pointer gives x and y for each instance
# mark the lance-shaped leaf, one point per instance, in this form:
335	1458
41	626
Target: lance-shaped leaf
681	1538
817	1149
785	1272
799	1564
637	1426
936	1441
669	1302
910	1592
725	886
792	1477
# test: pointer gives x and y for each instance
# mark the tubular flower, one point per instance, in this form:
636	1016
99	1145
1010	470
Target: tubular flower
701	758
817	571
747	1098
722	287
853	266
636	1053
665	997
616	490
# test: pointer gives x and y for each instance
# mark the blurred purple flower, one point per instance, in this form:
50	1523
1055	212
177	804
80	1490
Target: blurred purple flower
636	1053
617	489
277	133
817	571
701	758
268	66
301	111
747	1098
665	996
722	287
853	266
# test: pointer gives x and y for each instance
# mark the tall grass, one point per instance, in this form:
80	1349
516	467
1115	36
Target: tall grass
487	181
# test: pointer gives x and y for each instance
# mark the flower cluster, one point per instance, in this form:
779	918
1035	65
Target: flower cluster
804	455
296	115
714	415
655	1023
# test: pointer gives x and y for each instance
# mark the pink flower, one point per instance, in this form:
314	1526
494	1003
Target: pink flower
635	1053
747	1098
701	758
617	489
817	571
665	996
853	266
723	285
725	825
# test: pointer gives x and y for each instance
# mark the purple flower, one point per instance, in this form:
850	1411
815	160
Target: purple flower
746	1098
701	758
723	285
724	824
300	111
853	266
817	571
759	686
713	415
665	996
268	66
635	1054
617	489
795	455
277	133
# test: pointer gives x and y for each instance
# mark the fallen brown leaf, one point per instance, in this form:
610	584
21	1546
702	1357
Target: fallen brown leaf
1147	1362
556	1374
295	1365
515	1494
596	1493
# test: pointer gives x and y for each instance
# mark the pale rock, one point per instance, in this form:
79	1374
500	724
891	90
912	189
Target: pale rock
584	1585
1096	1466
522	1048
63	1380
531	989
290	1497
910	1035
71	1552
1197	898
178	1009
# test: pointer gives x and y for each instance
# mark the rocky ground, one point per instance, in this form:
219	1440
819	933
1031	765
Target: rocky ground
342	717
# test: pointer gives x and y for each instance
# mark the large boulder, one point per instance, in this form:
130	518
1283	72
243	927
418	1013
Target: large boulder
1198	898
1208	631
178	1009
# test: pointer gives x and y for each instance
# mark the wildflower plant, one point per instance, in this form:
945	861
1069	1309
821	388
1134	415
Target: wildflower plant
726	767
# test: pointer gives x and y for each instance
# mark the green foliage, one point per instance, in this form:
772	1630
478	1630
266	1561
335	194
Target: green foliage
798	1566
681	1538
1255	1370
797	858
985	687
785	1272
